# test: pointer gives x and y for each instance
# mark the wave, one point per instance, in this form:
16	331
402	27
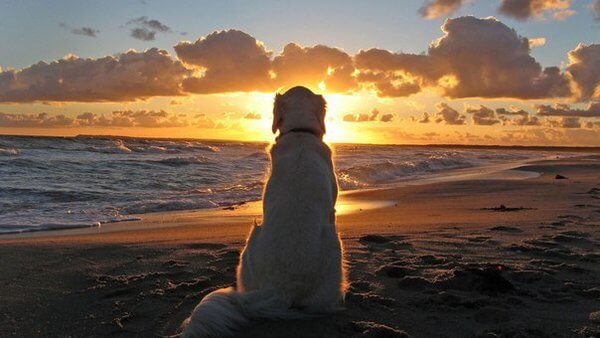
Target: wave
379	173
153	150
178	161
117	147
168	205
9	151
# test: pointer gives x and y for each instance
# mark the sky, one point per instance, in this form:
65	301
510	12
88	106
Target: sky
510	72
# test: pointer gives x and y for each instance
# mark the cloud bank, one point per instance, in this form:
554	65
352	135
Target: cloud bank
125	77
475	57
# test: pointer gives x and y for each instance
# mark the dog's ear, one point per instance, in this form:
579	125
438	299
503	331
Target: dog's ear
320	111
277	107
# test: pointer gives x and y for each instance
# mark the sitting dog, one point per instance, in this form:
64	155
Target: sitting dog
292	264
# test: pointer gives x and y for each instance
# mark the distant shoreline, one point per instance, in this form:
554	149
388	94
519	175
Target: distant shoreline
430	145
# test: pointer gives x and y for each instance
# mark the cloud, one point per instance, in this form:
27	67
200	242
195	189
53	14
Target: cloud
40	120
474	58
371	117
570	122
386	118
595	7
425	118
434	9
124	118
124	77
229	61
526	9
145	29
449	115
584	69
85	31
483	116
593	110
204	122
148	119
536	42
517	117
142	33
309	66
252	116
150	24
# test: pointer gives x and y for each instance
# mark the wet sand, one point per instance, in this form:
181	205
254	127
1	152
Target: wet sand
441	259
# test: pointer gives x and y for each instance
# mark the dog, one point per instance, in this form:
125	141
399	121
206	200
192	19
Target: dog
292	264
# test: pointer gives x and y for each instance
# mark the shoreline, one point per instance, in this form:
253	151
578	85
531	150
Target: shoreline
346	203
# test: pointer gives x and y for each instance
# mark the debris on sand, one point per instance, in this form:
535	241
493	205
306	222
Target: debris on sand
371	329
374	239
504	208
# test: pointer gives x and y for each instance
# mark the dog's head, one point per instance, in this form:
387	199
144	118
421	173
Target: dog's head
299	108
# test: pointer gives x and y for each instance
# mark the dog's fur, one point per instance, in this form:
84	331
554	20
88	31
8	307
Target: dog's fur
292	265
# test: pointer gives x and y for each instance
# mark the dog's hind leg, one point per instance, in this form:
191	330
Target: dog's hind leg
331	288
246	277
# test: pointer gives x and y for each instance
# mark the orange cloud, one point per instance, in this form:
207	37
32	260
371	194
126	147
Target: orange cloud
434	9
525	9
371	117
584	69
123	118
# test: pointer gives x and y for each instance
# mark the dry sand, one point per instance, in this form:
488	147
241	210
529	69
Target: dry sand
433	260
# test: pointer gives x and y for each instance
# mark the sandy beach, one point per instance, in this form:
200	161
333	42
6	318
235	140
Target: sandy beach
514	253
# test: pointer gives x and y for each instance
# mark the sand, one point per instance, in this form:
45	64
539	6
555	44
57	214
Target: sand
441	259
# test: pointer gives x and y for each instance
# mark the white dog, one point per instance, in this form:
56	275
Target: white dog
292	265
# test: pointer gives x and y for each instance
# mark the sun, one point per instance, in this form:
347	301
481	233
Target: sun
337	106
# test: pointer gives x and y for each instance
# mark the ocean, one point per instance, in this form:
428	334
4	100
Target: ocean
67	182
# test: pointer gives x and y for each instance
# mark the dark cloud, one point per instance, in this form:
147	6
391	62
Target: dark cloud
517	117
433	9
230	61
483	116
124	118
570	122
145	29
142	33
125	77
425	118
386	118
85	31
371	117
526	9
40	120
474	58
596	9
152	24
448	115
593	110
584	69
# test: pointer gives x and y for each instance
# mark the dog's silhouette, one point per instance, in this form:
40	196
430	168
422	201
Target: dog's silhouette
292	265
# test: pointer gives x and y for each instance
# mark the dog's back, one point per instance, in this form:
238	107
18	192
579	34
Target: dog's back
297	250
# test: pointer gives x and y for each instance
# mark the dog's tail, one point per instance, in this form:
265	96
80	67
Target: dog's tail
224	311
